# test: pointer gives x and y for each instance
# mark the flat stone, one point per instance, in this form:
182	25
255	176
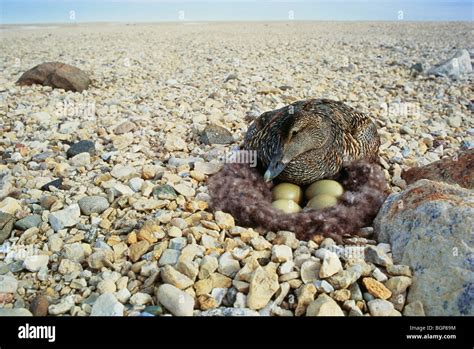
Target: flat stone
177	302
56	183
164	192
173	277
28	222
214	134
123	172
93	204
263	285
64	218
228	265
398	284
84	146
107	305
138	249
376	289
124	127
380	307
10	205
224	220
64	306
169	257
324	306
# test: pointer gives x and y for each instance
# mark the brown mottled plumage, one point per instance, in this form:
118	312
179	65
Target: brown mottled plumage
312	139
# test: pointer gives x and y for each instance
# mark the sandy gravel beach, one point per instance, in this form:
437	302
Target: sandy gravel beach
154	89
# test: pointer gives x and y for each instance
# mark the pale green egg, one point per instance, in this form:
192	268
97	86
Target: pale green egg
324	186
322	201
287	191
287	206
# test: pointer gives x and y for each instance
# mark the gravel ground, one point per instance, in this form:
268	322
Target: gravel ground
127	231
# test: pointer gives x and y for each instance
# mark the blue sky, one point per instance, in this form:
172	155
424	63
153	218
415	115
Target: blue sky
66	11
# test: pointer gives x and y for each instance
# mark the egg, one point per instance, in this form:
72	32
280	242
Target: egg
324	186
287	206
287	191
322	201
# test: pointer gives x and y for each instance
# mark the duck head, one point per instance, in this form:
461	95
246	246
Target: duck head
299	134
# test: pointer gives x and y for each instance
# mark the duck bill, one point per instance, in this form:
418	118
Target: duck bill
274	169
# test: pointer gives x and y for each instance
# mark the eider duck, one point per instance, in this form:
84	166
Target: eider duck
311	139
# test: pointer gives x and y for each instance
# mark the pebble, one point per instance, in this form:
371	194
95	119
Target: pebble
376	289
331	265
9	205
137	250
107	305
80	160
414	309
380	307
39	306
169	257
377	256
140	298
324	306
281	253
64	306
6	225
28	222
64	218
8	284
263	285
177	302
398	284
173	277
224	220
228	265
7	312
35	263
93	204
84	146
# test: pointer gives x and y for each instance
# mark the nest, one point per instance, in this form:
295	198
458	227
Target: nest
240	190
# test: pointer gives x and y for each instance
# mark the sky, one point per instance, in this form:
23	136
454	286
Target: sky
78	11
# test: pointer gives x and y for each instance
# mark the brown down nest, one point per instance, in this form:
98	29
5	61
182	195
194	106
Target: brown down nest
240	190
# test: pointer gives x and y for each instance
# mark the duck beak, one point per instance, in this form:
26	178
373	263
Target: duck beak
274	169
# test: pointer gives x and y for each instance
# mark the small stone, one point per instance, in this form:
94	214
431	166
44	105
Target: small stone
377	256
9	205
8	284
177	302
399	270
106	286
28	222
68	266
67	217
209	265
341	295
148	204
310	270
177	243
124	127
80	160
164	192
80	147
123	172
39	306
185	190
379	276
323	286
137	250
154	310
123	295
305	298
140	298
171	276
6	225
35	263
122	189
169	257
64	306
398	284
331	265
281	253
107	305
324	306
263	285
414	309
224	220
56	183
347	277
455	120
376	289
228	265
380	307
136	184
214	134
93	204
287	238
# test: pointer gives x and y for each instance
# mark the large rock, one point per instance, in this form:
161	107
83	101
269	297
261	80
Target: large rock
456	170
56	75
429	226
457	65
